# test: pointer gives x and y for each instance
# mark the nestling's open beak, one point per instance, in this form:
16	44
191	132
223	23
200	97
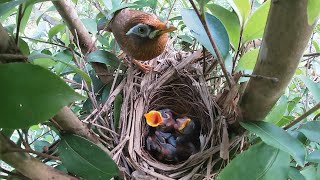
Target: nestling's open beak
153	118
182	123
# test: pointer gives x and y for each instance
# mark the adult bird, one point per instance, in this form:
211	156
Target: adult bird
140	35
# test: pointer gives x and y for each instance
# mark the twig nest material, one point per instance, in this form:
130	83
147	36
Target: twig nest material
177	83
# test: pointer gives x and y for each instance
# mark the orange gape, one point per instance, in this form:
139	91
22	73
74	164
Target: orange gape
140	35
153	118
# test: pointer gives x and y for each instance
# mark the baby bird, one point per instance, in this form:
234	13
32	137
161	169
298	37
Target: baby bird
140	35
161	119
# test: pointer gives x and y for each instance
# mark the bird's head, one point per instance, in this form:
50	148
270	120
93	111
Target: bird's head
146	30
153	118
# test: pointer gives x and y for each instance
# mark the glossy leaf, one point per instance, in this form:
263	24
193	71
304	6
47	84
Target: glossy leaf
254	28
216	29
85	159
55	30
104	57
25	18
314	156
313	87
295	174
242	8
277	112
311	130
5	7
230	22
310	173
277	137
84	75
313	11
248	60
90	25
260	161
32	95
316	46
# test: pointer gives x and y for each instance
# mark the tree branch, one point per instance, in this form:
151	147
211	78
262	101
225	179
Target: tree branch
69	15
303	116
285	38
27	164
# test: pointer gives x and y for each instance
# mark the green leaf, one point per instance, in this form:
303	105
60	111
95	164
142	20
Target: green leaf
316	46
24	47
314	157
311	130
25	18
295	174
230	22
85	159
260	161
254	28
216	29
90	25
55	30
5	7
313	87
277	137
313	11
104	57
84	75
31	94
248	60
242	8
310	173
277	112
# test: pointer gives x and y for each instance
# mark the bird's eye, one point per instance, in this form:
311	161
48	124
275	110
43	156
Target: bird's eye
141	30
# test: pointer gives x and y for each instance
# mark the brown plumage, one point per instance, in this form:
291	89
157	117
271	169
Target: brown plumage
140	47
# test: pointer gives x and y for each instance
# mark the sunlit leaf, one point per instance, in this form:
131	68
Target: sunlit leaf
55	30
85	159
313	11
277	137
242	8
248	60
216	29
5	7
313	87
32	95
254	28
260	161
316	46
25	18
311	130
277	112
309	172
229	20
294	174
314	156
104	57
84	75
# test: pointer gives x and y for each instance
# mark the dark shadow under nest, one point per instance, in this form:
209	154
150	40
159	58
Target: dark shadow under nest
178	83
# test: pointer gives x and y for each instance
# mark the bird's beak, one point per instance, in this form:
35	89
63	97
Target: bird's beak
182	123
167	28
153	118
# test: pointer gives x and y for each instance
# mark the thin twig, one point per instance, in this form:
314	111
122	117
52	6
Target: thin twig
20	15
249	75
216	50
311	55
302	117
34	152
174	2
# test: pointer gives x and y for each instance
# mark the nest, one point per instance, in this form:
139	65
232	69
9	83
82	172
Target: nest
178	83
